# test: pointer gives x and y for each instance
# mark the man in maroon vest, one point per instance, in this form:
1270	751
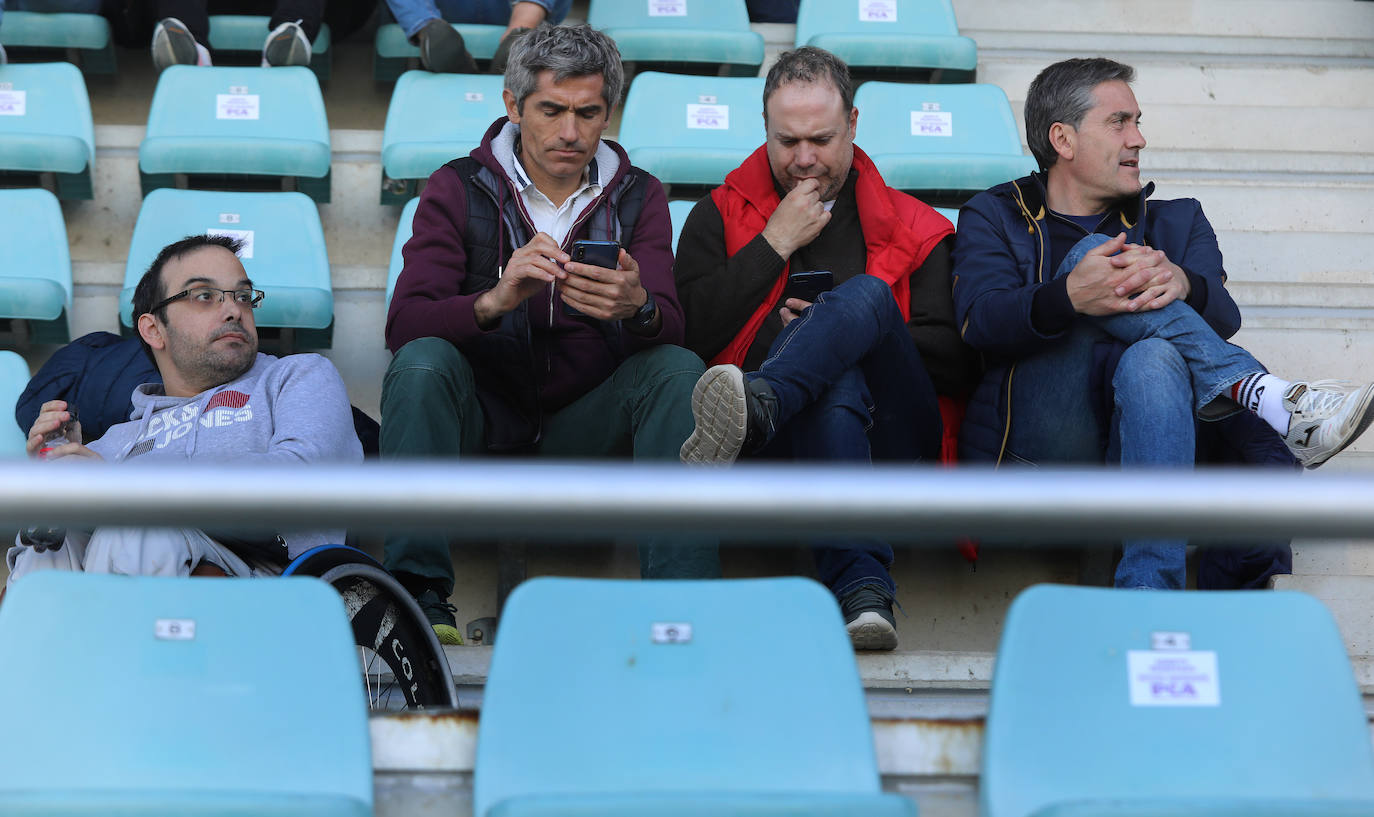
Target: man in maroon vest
852	376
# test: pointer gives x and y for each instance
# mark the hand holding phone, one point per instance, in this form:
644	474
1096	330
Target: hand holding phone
605	254
808	285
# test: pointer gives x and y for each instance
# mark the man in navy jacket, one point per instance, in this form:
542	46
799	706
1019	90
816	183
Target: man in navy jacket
1102	315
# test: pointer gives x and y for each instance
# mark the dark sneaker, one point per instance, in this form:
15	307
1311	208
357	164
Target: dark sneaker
441	616
173	44
498	60
286	45
731	416
442	50
868	618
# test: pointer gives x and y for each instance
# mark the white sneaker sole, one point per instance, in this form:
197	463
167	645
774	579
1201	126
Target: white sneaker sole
1360	420
718	407
871	631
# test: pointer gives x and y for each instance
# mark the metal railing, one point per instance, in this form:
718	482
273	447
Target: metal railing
748	501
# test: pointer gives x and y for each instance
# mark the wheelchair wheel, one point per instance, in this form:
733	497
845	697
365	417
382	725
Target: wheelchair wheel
402	661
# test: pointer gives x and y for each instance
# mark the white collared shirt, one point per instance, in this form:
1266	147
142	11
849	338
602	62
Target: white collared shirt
547	217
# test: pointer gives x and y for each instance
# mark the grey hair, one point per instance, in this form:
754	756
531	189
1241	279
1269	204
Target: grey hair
809	64
567	51
1063	92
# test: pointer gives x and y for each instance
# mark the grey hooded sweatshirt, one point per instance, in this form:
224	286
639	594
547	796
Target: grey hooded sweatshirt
284	411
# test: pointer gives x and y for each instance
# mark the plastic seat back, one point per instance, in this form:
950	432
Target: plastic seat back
669	693
14	378
692	130
35	267
395	53
246	33
711	33
678	210
45	125
433	118
228	122
284	254
1113	702
85	36
403	232
161	696
906	34
940	137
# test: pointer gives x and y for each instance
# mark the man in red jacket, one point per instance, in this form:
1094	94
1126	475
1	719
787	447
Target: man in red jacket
854	375
503	343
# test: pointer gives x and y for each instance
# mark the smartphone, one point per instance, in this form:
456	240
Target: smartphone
808	285
597	254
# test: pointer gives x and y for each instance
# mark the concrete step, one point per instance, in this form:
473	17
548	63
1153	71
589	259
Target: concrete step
1241	30
1351	601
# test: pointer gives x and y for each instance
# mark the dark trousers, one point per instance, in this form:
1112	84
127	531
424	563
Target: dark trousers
430	409
196	13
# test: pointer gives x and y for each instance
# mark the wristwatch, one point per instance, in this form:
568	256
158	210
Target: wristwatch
643	317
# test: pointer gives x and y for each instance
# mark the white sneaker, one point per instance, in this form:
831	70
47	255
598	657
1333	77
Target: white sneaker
286	45
4	58
173	44
1326	416
722	417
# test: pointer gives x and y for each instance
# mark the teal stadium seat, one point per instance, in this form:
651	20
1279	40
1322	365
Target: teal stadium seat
236	124
245	33
678	210
940	137
433	118
678	704
694	34
14	378
35	268
286	257
395	54
403	233
1116	703
84	37
45	126
909	35
692	130
161	697
951	213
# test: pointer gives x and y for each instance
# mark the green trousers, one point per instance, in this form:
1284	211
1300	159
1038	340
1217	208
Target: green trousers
430	410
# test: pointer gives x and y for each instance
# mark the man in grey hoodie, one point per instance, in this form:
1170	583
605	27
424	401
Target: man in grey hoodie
220	401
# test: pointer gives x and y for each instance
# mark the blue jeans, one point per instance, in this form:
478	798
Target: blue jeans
413	14
851	387
1175	366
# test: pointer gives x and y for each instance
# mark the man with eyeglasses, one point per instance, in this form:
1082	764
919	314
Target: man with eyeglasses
219	401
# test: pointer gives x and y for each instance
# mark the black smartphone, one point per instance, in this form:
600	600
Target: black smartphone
597	254
808	285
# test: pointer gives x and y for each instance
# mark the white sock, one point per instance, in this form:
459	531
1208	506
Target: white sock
1263	394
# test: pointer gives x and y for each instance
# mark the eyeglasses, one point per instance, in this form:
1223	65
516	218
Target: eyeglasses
210	296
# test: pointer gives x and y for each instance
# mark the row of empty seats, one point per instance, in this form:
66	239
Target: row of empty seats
1104	703
897	34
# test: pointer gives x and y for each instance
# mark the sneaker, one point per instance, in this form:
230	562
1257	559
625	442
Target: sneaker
174	45
441	616
731	416
442	50
502	55
1326	416
286	45
868	618
4	58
